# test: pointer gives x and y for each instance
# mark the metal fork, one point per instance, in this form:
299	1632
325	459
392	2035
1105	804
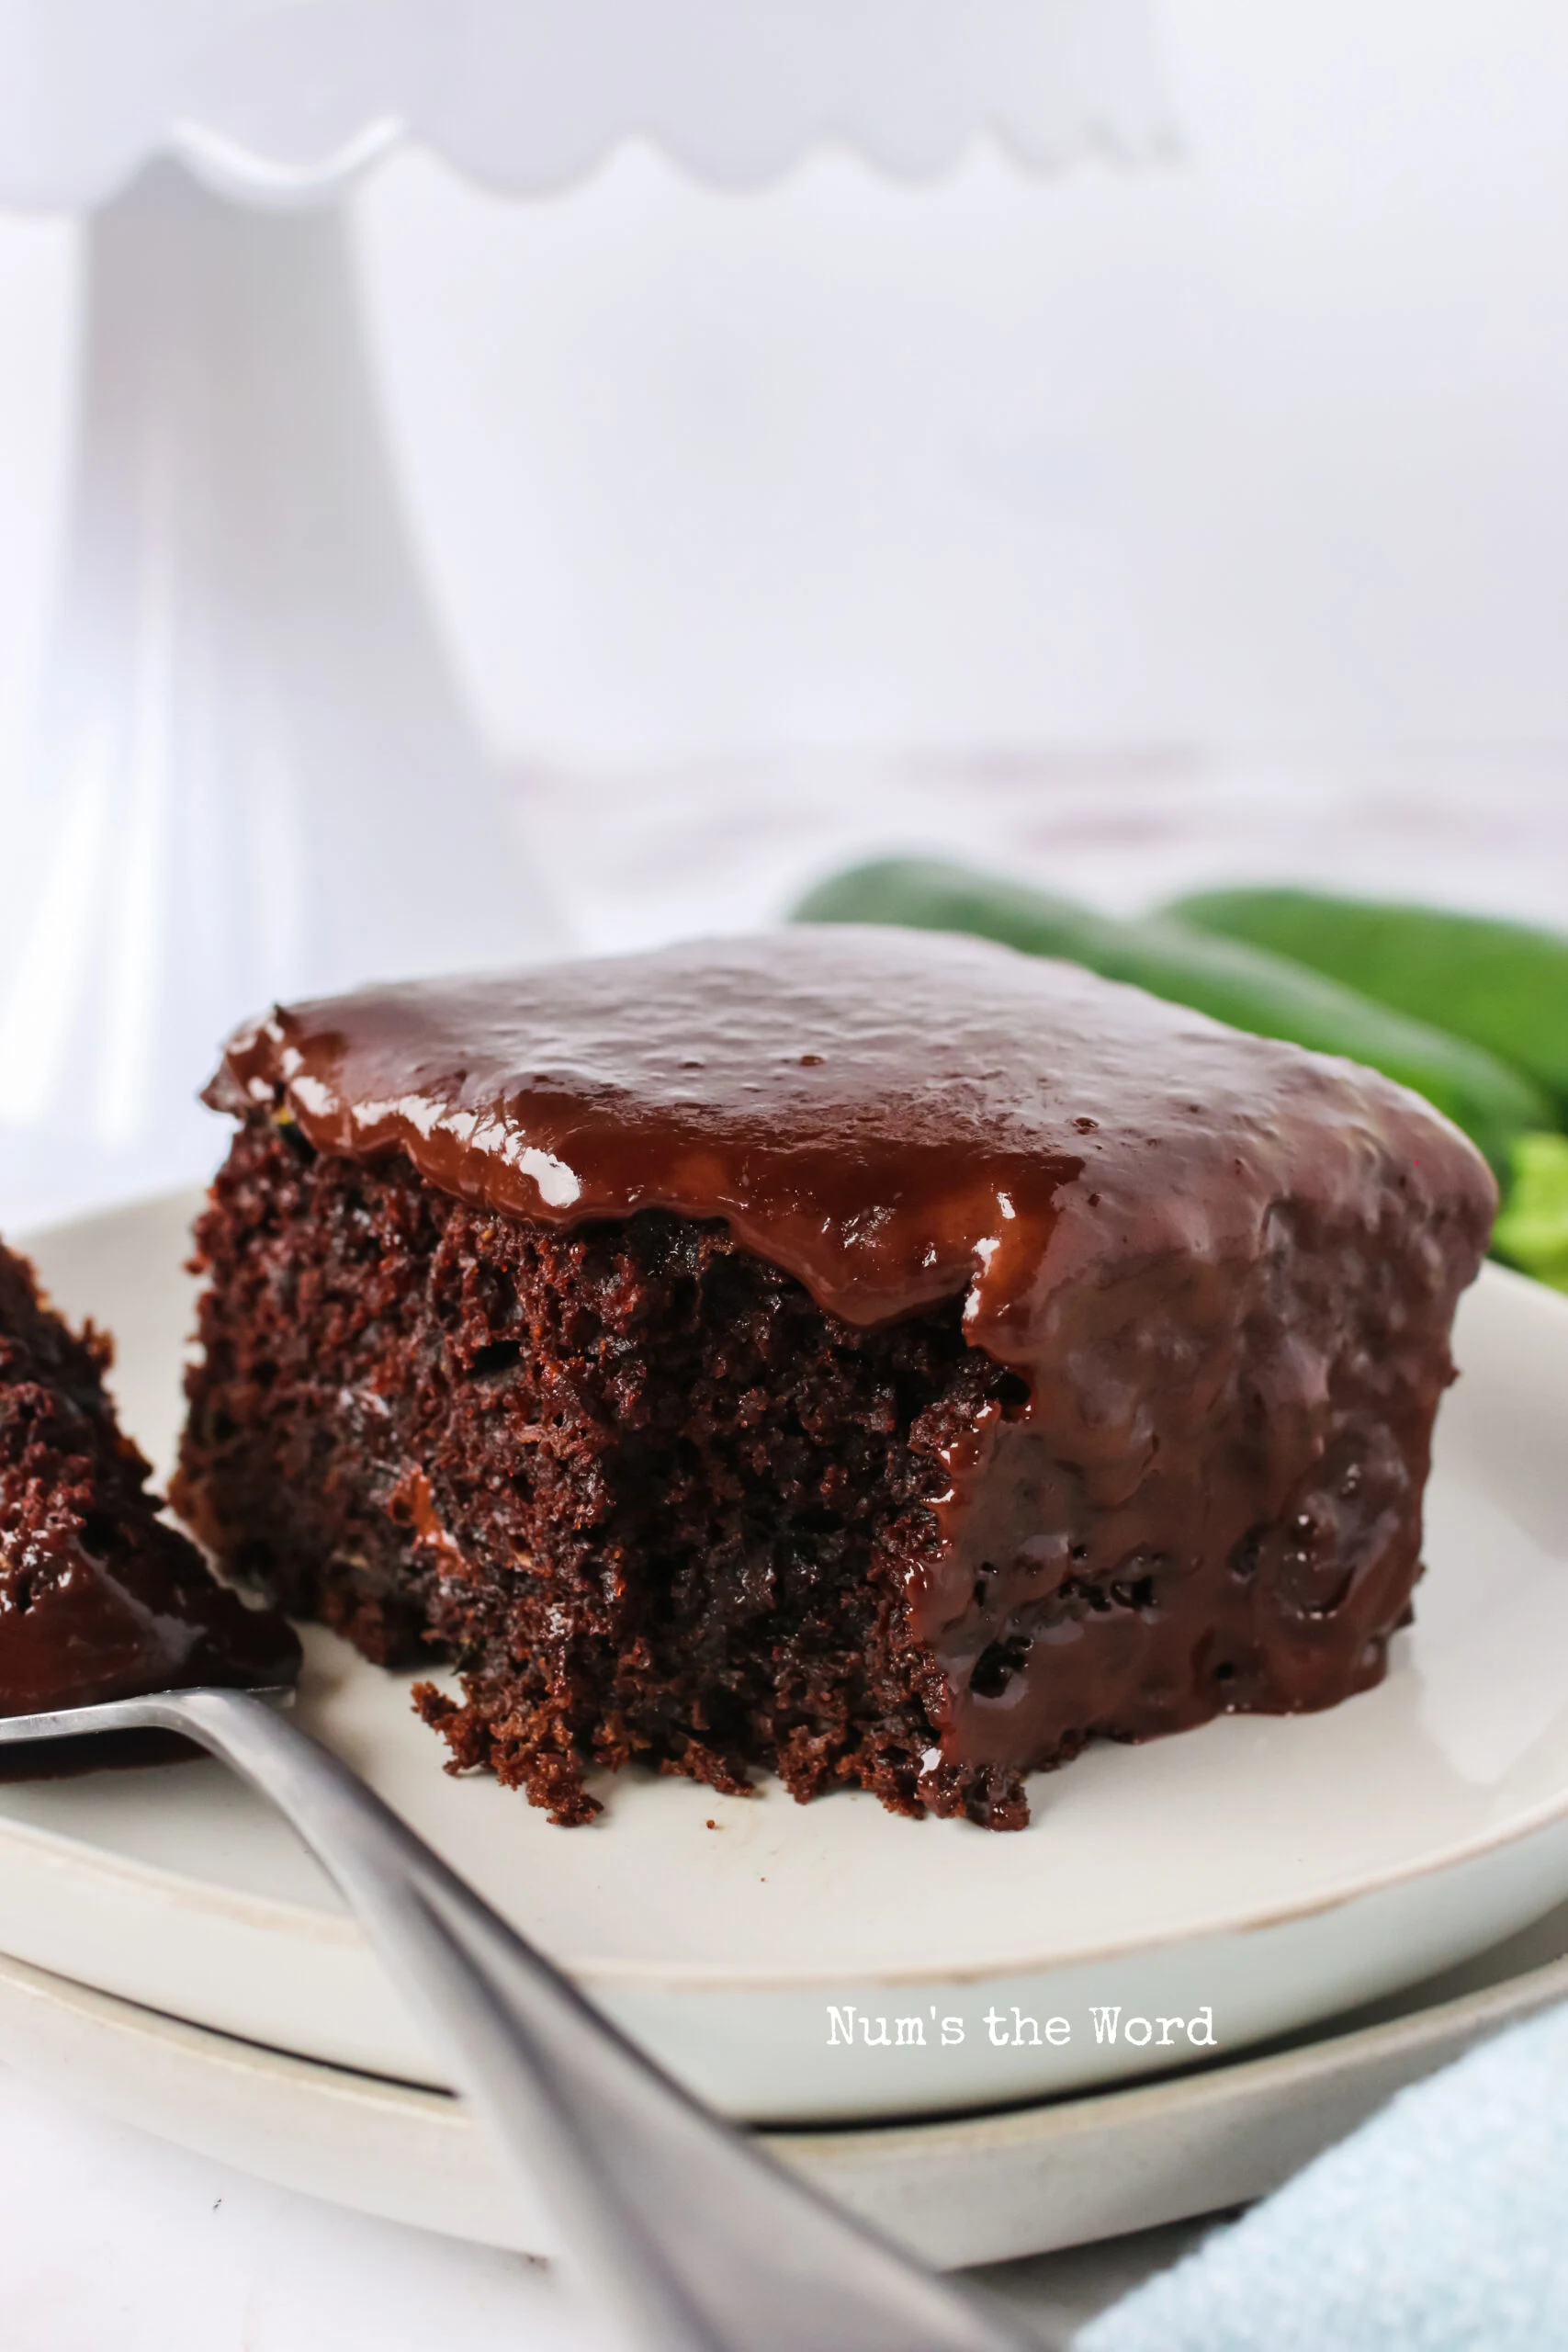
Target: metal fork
689	2233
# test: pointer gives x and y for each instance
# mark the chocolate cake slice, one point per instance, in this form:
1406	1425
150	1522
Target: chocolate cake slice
99	1599
873	1356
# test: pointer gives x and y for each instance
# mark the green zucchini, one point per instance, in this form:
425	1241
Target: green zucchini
1532	1231
1244	986
1501	985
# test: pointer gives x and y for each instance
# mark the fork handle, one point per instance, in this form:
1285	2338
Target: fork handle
694	2236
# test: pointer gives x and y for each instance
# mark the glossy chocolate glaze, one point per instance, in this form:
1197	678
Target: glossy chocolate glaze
99	1599
1225	1268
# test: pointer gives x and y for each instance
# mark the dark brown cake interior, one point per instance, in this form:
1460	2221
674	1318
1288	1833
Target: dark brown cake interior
704	1563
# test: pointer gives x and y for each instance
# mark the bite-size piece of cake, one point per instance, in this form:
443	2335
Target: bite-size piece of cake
99	1597
877	1357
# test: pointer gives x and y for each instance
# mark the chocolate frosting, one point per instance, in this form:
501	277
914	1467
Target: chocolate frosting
893	1117
1225	1269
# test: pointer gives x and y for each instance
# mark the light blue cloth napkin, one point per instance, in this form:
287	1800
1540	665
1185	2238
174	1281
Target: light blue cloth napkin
1439	2227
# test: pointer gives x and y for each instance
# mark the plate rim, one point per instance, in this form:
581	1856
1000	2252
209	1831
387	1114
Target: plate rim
280	1914
276	1913
1308	2049
1259	2103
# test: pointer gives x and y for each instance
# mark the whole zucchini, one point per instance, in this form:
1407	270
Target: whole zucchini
1503	985
1244	986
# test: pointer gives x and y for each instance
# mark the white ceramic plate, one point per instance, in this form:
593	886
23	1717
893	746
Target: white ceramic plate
956	2191
1269	1872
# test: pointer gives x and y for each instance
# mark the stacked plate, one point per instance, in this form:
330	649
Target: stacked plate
1152	2002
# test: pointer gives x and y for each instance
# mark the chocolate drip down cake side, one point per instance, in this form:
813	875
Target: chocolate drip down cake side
871	1356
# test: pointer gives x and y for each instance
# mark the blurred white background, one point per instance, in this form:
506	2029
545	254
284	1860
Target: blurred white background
1268	443
1131	526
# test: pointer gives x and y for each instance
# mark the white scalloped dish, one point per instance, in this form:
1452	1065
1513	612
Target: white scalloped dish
280	104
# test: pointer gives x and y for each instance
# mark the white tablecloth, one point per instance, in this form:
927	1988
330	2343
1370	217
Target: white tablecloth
109	2237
